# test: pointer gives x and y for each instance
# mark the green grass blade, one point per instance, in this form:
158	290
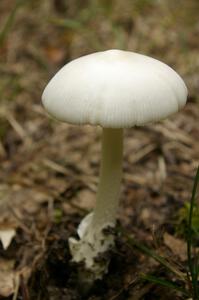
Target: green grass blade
193	263
154	255
67	23
165	283
9	21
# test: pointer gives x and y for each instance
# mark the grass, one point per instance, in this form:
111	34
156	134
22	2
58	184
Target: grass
10	20
188	282
183	219
165	283
193	262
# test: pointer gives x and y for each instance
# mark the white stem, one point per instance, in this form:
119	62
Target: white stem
110	178
93	240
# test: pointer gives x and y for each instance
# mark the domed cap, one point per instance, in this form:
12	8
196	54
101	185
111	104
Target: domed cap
114	89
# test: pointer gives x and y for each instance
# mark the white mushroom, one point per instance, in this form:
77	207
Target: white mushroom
114	89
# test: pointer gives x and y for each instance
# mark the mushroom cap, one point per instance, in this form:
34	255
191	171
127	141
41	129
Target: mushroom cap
114	89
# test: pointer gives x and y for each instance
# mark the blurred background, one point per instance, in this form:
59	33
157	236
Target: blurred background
49	170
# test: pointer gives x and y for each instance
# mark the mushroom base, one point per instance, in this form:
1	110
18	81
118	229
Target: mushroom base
93	249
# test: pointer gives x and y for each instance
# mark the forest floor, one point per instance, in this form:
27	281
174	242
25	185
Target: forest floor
49	170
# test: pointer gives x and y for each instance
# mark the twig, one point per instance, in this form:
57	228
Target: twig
16	126
125	288
16	288
24	289
142	153
19	220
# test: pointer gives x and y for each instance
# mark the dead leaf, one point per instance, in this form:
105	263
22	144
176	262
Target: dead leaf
54	54
7	284
7	278
6	236
85	199
177	246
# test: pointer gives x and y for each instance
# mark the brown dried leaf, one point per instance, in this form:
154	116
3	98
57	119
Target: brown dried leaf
6	284
54	54
8	278
85	199
177	246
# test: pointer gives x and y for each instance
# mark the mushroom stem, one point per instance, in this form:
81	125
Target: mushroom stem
110	178
95	240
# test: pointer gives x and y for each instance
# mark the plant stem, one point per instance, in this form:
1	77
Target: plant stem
192	267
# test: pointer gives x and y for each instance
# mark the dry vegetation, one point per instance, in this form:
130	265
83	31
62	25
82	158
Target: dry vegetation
49	170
